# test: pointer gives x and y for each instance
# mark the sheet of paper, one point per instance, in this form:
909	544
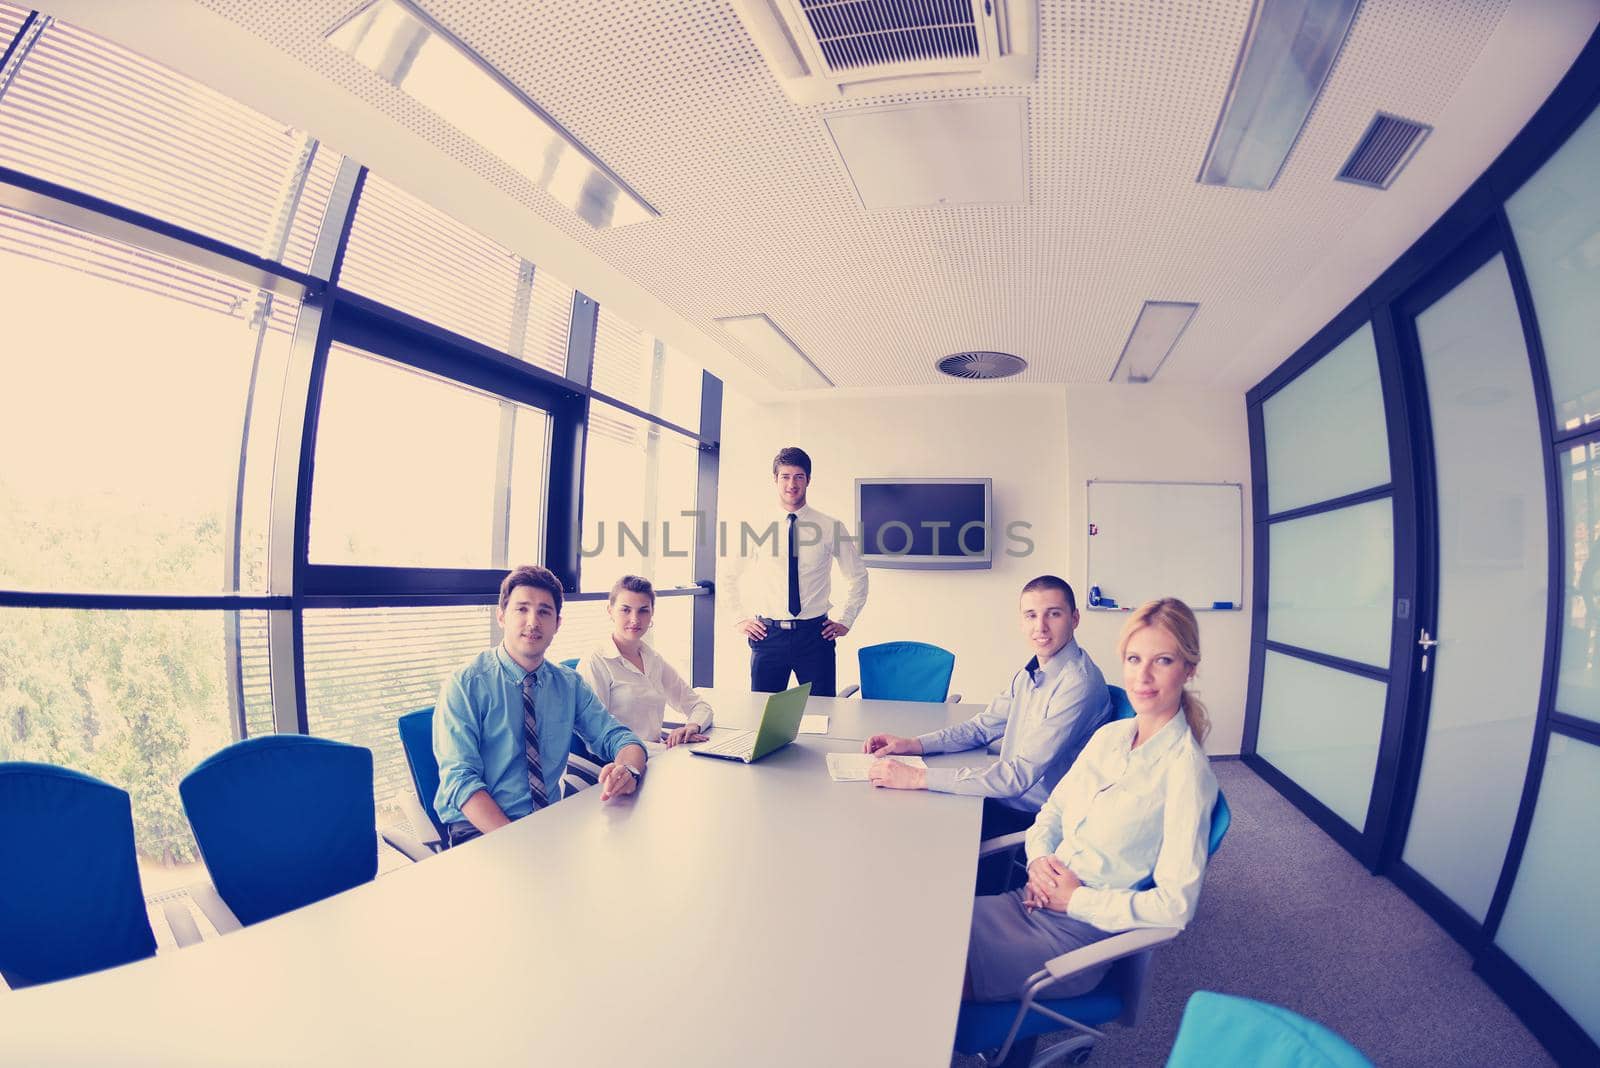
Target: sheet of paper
852	767
813	723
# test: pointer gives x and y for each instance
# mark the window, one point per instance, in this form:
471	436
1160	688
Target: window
416	258
637	369
90	115
1556	219
638	480
366	667
127	377
134	698
407	469
1578	689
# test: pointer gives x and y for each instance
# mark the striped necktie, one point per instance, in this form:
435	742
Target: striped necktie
530	742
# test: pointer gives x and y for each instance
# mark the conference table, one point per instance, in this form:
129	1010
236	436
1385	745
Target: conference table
727	914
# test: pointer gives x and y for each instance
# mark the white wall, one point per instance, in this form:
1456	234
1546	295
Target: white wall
1040	445
1010	434
1164	433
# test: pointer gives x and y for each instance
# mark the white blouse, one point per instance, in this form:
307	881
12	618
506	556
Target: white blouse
638	699
1121	815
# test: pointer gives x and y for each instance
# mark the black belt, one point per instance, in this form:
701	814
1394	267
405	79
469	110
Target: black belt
792	624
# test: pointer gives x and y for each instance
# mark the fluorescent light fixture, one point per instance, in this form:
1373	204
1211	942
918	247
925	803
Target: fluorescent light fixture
781	360
1289	48
1155	333
408	49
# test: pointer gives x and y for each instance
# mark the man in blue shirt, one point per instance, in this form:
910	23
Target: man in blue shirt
503	725
1044	717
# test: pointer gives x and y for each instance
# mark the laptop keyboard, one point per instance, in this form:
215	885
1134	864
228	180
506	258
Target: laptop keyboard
740	744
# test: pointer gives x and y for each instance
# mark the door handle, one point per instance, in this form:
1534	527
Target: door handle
1426	643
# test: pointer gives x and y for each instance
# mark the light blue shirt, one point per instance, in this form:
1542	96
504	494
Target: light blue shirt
477	732
1122	815
1045	716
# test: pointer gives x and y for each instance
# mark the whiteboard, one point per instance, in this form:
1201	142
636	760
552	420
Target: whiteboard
1166	539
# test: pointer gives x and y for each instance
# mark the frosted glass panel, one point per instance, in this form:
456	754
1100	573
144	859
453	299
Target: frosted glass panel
1332	582
1325	430
1552	921
1578	692
1556	219
1493	559
1320	727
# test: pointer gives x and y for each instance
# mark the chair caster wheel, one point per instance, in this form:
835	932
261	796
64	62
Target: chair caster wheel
1081	1056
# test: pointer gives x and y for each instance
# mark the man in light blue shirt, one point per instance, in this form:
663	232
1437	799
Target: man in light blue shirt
1044	717
503	725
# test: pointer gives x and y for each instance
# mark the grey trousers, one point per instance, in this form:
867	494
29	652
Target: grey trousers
1009	943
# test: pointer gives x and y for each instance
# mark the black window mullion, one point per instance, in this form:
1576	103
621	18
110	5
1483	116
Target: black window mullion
702	671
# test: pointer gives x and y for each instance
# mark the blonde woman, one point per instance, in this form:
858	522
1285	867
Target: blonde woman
632	680
1135	805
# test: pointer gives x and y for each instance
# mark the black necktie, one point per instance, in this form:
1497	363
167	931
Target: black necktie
794	570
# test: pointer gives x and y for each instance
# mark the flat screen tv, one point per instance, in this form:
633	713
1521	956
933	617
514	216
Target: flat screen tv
929	523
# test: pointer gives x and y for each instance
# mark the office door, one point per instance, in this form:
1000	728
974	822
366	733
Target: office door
1483	583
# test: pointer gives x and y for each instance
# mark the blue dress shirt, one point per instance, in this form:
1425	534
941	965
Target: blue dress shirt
1046	716
477	732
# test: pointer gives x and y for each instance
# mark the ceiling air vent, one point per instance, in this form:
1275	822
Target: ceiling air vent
1383	150
828	50
982	365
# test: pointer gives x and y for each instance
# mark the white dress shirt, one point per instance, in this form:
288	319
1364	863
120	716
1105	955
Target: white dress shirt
638	699
760	585
1121	815
1046	716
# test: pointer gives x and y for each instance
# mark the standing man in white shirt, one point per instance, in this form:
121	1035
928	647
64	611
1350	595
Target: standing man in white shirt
779	598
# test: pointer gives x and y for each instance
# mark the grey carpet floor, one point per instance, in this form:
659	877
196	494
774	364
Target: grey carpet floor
1287	916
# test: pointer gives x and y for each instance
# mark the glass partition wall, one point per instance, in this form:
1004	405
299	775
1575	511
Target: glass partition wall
268	478
1425	673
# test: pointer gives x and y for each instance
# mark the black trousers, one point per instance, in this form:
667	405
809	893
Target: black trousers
800	649
996	874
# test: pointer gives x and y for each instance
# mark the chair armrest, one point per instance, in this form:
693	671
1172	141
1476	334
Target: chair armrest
851	690
586	770
953	699
411	808
216	910
405	845
1110	949
184	930
1000	843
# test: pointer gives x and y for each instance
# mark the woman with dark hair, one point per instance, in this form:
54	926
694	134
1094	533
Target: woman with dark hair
632	680
1135	805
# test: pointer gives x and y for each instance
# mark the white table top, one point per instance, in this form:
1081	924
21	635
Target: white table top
848	717
585	935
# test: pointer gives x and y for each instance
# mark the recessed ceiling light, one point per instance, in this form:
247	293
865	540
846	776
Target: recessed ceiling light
408	49
1155	333
781	360
1289	49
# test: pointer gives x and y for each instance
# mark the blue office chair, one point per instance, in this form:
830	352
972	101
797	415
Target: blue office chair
70	901
1119	997
282	821
416	741
583	766
1223	1029
1121	707
904	671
